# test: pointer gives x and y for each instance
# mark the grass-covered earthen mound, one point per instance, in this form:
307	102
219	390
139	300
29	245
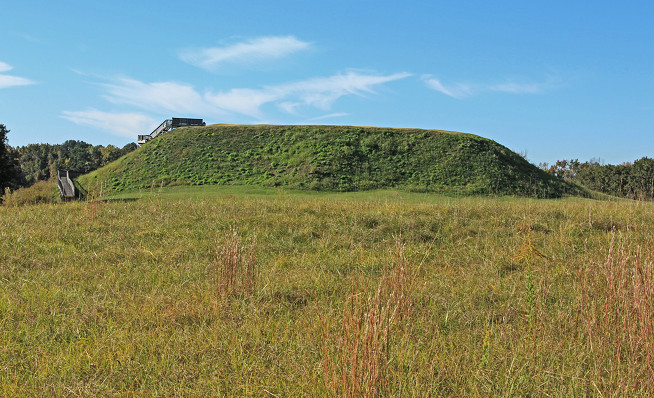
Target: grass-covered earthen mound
338	158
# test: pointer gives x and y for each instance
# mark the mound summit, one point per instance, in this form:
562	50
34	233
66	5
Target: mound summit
335	158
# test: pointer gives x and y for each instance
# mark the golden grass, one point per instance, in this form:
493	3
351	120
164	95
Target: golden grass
120	299
39	193
357	363
236	271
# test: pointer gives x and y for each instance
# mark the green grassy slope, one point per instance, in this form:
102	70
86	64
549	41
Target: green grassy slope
338	158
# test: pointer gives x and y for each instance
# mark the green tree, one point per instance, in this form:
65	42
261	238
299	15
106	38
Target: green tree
40	161
35	160
641	178
77	156
109	154
129	148
9	167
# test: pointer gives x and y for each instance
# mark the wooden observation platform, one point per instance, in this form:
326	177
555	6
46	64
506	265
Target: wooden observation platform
168	125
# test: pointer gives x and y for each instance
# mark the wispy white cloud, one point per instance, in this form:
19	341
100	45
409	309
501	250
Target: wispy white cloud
4	67
521	88
289	107
180	98
31	39
464	90
123	124
9	80
319	93
158	96
330	116
457	90
244	101
27	37
322	92
249	53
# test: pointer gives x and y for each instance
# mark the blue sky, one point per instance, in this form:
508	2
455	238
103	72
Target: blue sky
552	79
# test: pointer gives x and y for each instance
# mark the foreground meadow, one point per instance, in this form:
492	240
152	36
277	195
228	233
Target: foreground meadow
275	294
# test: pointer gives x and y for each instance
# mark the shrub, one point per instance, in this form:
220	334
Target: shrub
41	192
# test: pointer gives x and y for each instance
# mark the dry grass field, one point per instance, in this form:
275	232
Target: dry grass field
235	293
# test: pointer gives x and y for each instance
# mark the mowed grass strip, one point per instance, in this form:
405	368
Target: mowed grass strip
121	298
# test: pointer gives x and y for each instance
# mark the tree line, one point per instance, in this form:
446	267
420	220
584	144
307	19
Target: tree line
628	180
24	166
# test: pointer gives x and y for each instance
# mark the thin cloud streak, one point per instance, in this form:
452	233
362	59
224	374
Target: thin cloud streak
122	124
458	91
322	92
464	90
10	80
330	116
246	53
517	88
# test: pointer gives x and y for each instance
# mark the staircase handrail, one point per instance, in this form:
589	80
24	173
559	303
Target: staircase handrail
163	127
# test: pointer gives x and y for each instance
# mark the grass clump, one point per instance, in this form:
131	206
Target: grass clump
357	364
236	269
41	192
619	300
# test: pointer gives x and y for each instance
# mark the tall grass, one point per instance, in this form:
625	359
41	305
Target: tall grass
140	297
618	297
357	365
236	269
40	193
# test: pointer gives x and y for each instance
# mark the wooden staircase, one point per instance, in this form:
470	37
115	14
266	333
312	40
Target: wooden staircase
66	186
